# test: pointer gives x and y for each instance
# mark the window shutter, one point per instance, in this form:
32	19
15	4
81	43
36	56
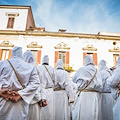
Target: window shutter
95	58
0	54
10	22
56	58
10	52
67	59
38	56
84	54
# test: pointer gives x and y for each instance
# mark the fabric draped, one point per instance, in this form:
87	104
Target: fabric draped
87	105
107	100
8	80
47	84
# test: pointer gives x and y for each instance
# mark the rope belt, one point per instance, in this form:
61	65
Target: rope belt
58	89
48	88
15	90
88	90
105	92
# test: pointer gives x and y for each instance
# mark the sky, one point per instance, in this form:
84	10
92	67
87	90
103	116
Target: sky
76	16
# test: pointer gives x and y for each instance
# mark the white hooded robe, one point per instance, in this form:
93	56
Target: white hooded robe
8	80
87	105
63	93
47	84
115	84
34	108
107	99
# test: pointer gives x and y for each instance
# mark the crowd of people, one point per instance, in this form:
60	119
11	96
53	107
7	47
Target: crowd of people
41	92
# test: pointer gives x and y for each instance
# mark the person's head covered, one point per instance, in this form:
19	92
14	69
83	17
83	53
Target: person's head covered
118	62
59	64
45	59
88	60
28	57
17	52
102	65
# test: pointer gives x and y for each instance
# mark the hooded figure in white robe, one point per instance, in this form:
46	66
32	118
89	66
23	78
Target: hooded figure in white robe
87	103
47	79
34	108
115	84
64	94
17	110
107	99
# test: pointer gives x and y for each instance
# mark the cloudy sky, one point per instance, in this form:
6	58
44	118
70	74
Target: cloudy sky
76	16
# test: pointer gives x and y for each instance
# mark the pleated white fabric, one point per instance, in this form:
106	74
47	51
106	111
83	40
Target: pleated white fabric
116	109
48	112
86	106
107	106
62	109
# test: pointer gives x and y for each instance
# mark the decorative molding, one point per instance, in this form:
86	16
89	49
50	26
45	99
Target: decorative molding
12	14
59	34
34	45
62	45
6	43
90	47
115	49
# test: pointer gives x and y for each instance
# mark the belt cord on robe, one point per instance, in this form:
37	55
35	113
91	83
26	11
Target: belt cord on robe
90	90
49	74
117	93
16	74
87	84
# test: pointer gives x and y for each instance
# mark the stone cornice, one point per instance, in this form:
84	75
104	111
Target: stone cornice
59	34
14	7
6	43
62	45
34	45
89	48
115	49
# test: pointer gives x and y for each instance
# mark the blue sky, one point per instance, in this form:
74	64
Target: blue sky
76	16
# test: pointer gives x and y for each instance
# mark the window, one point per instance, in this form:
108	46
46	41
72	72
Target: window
37	56
5	54
34	52
10	22
64	55
90	54
115	58
93	55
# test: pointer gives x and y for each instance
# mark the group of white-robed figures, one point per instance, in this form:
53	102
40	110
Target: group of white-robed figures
30	92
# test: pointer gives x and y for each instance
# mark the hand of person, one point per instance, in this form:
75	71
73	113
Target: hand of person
5	93
15	96
44	103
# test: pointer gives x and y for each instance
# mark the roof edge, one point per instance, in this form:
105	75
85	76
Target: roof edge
15	6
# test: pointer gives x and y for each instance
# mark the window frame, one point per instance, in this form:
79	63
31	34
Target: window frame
10	23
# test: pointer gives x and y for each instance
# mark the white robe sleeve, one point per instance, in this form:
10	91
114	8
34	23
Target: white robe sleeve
69	88
28	93
115	80
42	84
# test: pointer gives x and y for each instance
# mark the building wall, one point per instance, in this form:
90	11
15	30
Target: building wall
20	20
46	41
76	44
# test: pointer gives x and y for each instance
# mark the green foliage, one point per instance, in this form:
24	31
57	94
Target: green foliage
68	69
